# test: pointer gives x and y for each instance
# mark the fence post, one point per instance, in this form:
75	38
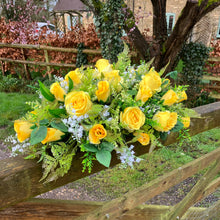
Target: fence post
25	65
47	61
178	210
2	67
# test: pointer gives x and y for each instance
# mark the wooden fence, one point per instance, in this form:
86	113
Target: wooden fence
19	181
47	62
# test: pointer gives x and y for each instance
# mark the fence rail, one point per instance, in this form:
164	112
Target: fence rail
19	178
45	49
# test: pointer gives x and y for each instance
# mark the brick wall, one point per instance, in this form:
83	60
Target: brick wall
203	32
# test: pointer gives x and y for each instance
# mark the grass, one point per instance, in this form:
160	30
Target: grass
12	107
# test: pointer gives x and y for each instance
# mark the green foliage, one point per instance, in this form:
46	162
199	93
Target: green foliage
110	24
191	61
81	58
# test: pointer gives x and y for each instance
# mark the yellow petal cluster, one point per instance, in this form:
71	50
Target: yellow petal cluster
23	129
75	76
166	120
152	80
144	138
103	91
96	133
53	134
144	93
103	65
186	122
132	118
170	97
57	91
77	103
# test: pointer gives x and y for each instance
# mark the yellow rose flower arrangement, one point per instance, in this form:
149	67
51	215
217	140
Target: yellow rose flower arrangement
99	109
170	97
132	118
78	103
23	129
103	91
96	133
57	91
53	134
166	120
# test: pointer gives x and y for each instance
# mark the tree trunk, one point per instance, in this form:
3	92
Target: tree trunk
164	48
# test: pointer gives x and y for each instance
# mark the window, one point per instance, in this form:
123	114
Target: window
73	20
218	30
170	22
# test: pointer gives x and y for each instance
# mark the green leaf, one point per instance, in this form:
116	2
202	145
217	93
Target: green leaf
107	146
46	92
44	122
60	126
172	75
163	136
57	112
104	157
90	147
179	125
132	92
70	84
163	69
38	134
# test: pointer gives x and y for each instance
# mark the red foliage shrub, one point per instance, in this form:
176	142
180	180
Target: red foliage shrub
71	39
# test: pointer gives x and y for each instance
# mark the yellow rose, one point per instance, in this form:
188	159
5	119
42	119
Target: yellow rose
96	133
186	122
144	93
78	103
102	65
113	76
75	76
23	129
144	138
181	96
170	97
166	120
152	80
57	91
103	91
53	134
132	118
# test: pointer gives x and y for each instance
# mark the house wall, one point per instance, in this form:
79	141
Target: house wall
203	31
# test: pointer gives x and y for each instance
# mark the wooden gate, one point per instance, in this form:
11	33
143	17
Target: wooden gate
19	181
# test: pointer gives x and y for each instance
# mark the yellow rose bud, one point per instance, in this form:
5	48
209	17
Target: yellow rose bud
186	122
132	118
78	103
166	120
23	129
103	91
57	91
96	133
53	134
152	80
144	93
75	76
170	97
165	83
144	138
181	96
102	64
